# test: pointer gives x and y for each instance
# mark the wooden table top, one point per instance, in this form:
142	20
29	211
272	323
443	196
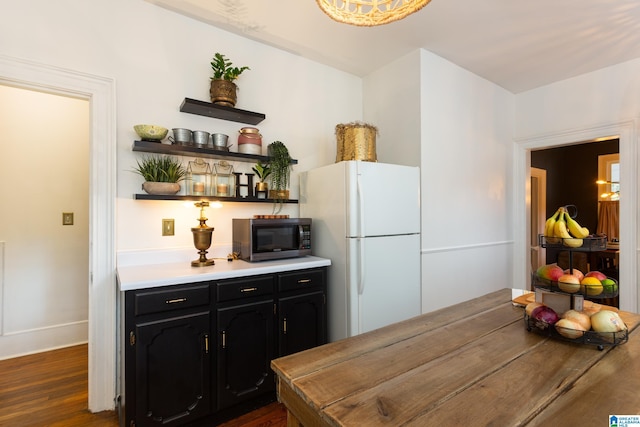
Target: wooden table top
471	364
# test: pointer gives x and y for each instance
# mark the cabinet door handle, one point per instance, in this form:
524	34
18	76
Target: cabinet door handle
206	343
284	325
248	290
304	281
224	339
175	300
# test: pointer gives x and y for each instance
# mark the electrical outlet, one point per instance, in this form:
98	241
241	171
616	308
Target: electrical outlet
168	227
67	218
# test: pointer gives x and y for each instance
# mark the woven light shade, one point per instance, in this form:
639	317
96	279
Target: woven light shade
368	13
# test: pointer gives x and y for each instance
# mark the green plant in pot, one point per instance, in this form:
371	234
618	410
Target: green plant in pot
161	174
262	172
223	89
280	164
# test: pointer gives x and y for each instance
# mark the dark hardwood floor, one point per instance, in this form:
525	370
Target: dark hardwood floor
50	389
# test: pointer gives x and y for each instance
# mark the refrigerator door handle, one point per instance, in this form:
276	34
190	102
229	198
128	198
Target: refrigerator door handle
360	206
361	259
360	236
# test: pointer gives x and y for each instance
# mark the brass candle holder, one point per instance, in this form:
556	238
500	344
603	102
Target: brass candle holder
202	237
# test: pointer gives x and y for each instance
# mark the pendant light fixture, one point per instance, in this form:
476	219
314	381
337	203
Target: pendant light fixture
369	13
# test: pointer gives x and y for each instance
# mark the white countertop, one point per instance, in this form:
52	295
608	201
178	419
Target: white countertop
133	277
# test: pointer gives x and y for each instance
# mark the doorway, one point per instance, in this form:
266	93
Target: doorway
626	132
538	216
100	92
44	172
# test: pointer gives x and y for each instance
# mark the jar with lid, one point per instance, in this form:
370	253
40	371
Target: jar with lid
250	141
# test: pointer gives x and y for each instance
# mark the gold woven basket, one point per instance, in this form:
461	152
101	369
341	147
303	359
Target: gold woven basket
356	141
370	12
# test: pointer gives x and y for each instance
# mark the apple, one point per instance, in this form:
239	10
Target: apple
569	283
549	272
610	286
596	274
579	274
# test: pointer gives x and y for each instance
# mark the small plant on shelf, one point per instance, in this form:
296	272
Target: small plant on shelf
262	172
223	68
280	163
223	90
164	170
160	169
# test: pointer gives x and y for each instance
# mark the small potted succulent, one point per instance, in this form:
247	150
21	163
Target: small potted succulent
223	90
262	172
161	174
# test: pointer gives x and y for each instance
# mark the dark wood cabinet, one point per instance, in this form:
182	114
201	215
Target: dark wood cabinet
173	370
167	355
302	311
246	343
196	354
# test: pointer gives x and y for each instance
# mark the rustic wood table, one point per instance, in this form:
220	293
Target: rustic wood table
472	364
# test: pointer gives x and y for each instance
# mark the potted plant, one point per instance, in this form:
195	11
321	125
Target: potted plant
223	90
262	171
161	174
280	164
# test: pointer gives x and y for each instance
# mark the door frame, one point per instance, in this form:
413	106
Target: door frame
541	196
100	92
627	132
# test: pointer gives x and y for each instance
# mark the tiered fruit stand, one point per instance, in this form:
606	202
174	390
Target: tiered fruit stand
600	339
590	244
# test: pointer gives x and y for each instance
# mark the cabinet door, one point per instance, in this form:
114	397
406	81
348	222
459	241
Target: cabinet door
173	370
245	350
301	322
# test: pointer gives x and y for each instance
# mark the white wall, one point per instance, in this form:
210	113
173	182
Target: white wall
44	171
466	184
158	58
593	105
392	104
459	126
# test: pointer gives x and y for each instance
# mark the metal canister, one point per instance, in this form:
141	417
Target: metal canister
250	141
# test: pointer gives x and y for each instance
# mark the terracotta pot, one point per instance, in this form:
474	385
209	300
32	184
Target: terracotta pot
161	188
223	92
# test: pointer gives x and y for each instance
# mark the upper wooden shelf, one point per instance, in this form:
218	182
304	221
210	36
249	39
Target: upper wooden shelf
208	109
186	150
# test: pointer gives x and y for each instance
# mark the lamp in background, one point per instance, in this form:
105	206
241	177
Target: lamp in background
369	13
613	192
202	237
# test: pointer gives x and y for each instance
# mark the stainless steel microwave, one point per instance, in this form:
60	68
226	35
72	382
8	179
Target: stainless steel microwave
266	239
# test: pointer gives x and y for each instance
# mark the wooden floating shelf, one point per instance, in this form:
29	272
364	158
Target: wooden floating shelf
185	150
209	109
210	198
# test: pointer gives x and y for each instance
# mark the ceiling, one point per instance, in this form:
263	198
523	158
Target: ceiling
516	44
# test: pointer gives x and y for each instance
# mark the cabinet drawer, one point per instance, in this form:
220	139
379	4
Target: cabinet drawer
244	288
301	280
176	298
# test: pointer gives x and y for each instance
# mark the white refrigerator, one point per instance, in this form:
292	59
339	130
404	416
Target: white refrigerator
366	220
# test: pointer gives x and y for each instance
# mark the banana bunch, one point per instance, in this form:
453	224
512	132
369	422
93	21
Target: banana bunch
561	227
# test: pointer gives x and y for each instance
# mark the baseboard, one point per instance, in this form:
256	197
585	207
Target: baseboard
22	343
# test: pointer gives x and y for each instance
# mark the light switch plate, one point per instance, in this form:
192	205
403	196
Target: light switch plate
168	228
67	218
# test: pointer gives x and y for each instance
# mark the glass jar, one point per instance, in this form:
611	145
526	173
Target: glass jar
223	179
198	178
